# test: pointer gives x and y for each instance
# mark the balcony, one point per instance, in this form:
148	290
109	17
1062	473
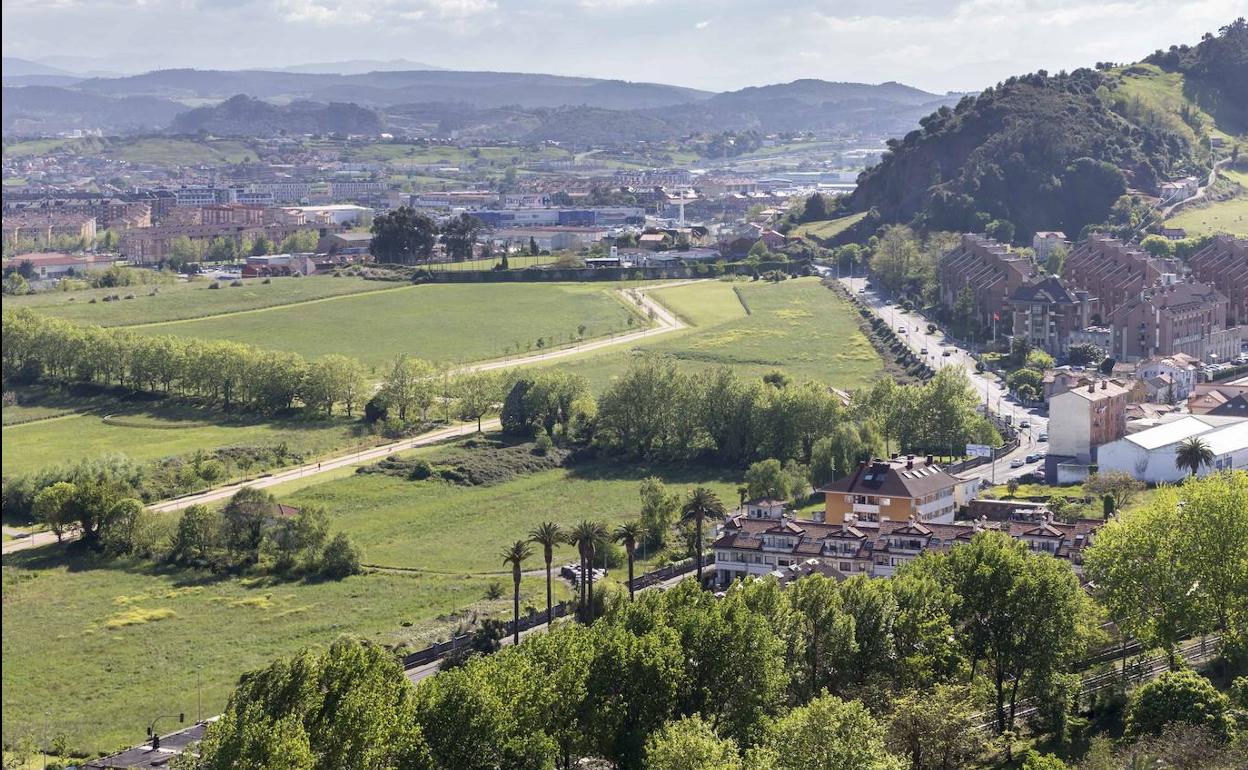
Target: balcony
867	508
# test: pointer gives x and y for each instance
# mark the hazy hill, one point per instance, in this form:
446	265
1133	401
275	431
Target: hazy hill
15	67
356	66
50	109
243	116
1050	152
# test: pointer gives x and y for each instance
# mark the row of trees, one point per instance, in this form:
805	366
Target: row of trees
218	371
407	237
869	674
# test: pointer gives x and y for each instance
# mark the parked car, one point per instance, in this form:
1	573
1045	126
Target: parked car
901	330
1025	424
946	352
1044	437
923	352
1017	462
1033	458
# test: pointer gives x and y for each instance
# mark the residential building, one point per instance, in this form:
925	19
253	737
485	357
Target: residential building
1213	398
1223	264
43	226
989	269
1172	317
1113	272
334	214
1045	241
747	546
1081	420
1149	455
1100	336
1174	377
1046	313
893	489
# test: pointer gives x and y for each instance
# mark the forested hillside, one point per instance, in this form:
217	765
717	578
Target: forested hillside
244	116
1053	152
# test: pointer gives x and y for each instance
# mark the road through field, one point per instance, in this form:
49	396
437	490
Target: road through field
664	320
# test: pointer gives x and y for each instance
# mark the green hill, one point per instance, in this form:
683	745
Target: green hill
1055	152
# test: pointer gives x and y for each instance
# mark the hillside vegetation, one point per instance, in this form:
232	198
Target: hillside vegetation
1045	151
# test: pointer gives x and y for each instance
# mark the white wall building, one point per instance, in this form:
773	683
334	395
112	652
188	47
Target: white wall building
1149	455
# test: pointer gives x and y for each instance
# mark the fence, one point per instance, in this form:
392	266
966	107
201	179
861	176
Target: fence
538	617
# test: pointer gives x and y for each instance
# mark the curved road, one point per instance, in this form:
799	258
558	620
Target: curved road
664	321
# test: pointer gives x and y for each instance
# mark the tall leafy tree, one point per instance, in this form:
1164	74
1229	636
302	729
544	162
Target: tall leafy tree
403	236
459	235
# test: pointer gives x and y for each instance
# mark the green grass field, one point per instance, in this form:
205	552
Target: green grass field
125	638
1228	216
161	151
448	323
97	649
61	431
797	326
444	528
828	228
185	300
513	262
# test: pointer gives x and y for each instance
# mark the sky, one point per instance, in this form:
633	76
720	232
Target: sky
938	45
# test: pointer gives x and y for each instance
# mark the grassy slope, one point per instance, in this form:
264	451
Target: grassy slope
827	228
443	528
797	326
449	323
65	667
82	432
228	626
185	300
1162	93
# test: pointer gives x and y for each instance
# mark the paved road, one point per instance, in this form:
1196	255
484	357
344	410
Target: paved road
992	392
663	319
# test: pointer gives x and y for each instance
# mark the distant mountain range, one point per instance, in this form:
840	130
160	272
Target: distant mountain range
39	99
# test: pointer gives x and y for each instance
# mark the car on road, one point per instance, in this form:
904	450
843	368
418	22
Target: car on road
1033	458
946	352
1025	424
1017	462
923	352
1043	437
901	330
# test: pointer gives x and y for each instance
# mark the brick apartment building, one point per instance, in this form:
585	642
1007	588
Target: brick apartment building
1170	318
1223	264
989	269
44	225
1112	271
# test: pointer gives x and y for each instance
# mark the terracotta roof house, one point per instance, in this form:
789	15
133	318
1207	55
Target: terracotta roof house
895	489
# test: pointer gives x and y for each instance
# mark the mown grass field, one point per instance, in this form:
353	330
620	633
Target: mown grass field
828	228
149	431
513	262
797	326
443	528
189	299
448	323
1228	216
161	151
95	649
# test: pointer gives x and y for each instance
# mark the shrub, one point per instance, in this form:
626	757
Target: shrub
341	558
1177	696
542	444
236	283
214	285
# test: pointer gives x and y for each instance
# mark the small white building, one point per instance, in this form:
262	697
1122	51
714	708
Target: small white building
1180	369
1150	454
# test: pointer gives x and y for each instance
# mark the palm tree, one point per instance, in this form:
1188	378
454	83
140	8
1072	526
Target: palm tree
1192	454
587	536
700	504
514	555
630	533
547	535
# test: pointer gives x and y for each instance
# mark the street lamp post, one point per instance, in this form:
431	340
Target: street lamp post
151	728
